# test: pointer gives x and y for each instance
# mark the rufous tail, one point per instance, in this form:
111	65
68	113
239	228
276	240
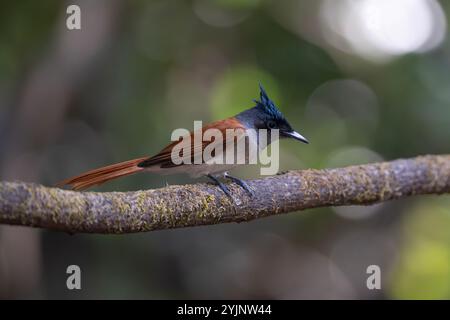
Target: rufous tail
101	175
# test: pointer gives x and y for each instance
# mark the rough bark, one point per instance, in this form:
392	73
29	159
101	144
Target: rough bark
204	204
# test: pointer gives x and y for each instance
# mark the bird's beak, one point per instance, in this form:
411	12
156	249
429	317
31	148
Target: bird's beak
295	135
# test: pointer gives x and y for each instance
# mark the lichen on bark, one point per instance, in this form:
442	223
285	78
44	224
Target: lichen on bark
180	206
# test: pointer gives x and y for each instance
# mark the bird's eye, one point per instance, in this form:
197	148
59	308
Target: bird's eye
271	124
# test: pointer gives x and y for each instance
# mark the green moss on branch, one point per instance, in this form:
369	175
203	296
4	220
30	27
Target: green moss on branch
204	204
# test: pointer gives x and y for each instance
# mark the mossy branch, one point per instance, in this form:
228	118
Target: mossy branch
204	204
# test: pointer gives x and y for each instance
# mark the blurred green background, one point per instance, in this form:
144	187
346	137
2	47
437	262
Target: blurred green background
363	80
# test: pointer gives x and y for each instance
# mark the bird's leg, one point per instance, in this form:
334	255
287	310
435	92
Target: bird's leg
220	184
240	182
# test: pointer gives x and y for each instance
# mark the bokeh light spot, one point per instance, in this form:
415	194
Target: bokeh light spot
381	29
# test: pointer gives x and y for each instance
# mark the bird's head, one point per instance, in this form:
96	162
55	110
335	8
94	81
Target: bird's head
269	117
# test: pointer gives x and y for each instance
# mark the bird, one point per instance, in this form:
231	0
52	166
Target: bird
263	115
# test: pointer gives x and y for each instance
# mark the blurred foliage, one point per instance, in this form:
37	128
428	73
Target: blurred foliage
26	27
423	268
139	69
235	89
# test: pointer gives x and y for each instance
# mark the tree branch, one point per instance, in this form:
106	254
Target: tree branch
204	204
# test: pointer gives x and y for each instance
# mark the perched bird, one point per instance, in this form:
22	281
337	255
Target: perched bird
264	115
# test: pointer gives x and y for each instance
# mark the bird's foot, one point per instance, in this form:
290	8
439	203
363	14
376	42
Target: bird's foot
221	185
241	183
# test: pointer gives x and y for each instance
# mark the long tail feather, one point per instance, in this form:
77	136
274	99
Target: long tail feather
101	175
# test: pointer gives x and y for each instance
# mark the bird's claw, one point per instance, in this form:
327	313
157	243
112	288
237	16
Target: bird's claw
241	183
222	187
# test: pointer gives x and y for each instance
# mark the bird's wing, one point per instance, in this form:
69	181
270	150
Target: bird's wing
164	158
